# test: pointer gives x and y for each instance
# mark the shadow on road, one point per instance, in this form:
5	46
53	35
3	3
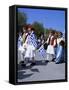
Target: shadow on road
34	70
38	63
41	63
21	75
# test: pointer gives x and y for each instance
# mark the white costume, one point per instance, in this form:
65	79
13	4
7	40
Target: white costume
20	49
30	51
50	49
31	45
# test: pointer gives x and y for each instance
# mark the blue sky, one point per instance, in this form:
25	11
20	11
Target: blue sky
49	18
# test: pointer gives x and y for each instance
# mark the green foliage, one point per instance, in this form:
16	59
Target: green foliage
39	29
46	33
22	18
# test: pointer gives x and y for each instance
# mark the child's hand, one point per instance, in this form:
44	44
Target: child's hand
25	46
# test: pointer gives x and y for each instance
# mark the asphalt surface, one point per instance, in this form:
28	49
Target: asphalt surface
41	71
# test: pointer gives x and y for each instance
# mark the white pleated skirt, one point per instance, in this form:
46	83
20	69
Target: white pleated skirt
50	53
21	52
30	51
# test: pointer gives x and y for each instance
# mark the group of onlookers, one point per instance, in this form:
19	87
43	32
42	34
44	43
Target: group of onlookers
28	44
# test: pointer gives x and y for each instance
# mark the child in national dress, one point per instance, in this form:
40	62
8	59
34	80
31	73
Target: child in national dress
30	45
51	41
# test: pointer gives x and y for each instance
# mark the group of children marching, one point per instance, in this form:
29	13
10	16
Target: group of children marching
28	44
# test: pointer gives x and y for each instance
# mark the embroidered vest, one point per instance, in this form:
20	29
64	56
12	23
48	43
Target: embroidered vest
51	40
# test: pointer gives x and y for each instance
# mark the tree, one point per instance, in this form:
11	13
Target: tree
39	29
46	33
22	18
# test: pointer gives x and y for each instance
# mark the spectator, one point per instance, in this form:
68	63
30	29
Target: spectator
60	53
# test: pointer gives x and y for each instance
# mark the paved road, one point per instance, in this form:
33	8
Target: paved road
41	71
